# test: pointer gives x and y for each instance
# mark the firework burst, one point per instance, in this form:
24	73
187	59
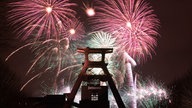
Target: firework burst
147	94
56	53
74	30
51	54
150	94
40	17
131	21
101	39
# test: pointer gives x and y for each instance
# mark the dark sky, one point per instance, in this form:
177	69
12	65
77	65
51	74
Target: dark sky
173	53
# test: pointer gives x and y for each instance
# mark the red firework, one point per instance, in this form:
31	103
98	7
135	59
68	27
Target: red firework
133	22
40	17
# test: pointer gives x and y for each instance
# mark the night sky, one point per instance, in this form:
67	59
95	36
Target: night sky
173	52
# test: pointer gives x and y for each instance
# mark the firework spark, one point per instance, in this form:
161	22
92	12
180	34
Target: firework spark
131	21
147	94
40	17
74	30
89	9
151	94
90	12
101	39
50	54
57	52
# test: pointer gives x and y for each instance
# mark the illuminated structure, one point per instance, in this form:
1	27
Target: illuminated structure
94	88
93	93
